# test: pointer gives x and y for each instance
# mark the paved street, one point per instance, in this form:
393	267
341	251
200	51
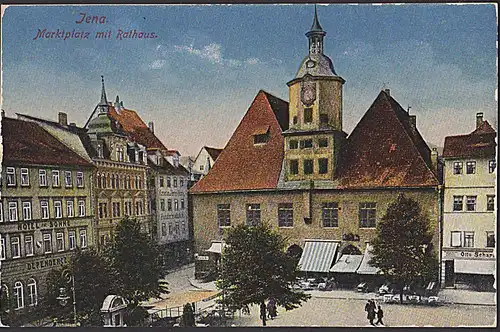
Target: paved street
348	312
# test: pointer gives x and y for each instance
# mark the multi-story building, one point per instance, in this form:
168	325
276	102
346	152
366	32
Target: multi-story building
167	183
204	161
469	208
120	179
292	166
45	208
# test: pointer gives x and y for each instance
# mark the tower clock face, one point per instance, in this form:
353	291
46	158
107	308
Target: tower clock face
308	93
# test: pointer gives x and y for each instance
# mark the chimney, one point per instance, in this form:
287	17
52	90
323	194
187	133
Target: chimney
72	124
63	118
3	114
121	105
434	160
388	91
117	104
479	119
151	126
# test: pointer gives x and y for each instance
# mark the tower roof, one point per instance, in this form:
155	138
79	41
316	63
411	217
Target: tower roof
104	100
316	26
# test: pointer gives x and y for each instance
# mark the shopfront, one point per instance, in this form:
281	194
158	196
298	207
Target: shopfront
469	268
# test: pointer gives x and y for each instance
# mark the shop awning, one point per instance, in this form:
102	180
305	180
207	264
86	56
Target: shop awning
347	264
474	266
216	247
318	255
365	267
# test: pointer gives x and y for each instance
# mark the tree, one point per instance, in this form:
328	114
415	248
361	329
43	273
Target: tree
255	267
187	318
137	262
402	248
94	280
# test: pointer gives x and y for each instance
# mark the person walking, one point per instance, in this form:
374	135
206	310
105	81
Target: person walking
263	313
271	308
370	309
380	315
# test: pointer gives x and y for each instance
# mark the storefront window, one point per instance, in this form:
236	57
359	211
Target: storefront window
490	239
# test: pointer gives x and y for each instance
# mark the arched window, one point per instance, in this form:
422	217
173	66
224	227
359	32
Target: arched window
32	292
5	298
104	181
98	180
19	295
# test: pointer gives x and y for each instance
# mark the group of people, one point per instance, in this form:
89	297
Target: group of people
268	311
374	311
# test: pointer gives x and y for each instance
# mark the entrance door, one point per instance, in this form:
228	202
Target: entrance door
449	273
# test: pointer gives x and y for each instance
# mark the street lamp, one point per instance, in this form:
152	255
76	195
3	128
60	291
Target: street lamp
63	298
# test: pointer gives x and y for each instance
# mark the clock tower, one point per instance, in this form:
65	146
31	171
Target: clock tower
314	137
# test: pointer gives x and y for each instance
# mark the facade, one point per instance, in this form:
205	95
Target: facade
45	209
120	179
469	208
204	161
292	166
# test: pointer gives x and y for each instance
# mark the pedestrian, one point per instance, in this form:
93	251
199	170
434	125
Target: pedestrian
263	313
271	308
380	315
370	309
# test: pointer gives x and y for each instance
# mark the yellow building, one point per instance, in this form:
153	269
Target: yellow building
292	166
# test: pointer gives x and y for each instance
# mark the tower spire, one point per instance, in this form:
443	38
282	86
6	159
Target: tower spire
103	104
315	35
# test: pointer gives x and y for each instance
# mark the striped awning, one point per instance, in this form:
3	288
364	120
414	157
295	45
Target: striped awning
216	247
365	267
347	264
318	255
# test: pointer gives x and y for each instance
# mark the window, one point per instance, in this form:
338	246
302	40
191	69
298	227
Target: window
83	238
2	248
458	202
15	247
323	118
323	165
175	182
181	182
294	119
306	144
308	115
163	229
12	211
72	240
330	214
57	209
47	243
1	211
138	208
469	239
42	178
79	179
60	241
456	239
490	239
162	204
323	142
176	205
201	167
70	209
32	292
457	167
308	166
11	176
26	210
68	181
490	204
285	215
25	177
116	209
103	210
367	215
294	167
471	167
19	295
261	138
168	182
253	214
55	179
162	181
492	165
81	208
28	245
169	205
471	203
293	144
182	204
224	215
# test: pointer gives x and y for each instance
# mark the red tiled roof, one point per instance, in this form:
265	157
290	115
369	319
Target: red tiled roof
243	165
385	151
213	152
478	144
133	125
26	143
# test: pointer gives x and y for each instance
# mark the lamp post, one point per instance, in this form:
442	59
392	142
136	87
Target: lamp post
63	298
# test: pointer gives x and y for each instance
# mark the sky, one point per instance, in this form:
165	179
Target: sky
196	79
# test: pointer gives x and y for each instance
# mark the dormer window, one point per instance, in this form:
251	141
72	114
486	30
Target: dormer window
100	152
261	135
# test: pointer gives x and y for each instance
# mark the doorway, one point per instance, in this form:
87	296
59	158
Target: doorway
449	273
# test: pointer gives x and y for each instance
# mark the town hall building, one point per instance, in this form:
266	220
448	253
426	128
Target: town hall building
291	165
